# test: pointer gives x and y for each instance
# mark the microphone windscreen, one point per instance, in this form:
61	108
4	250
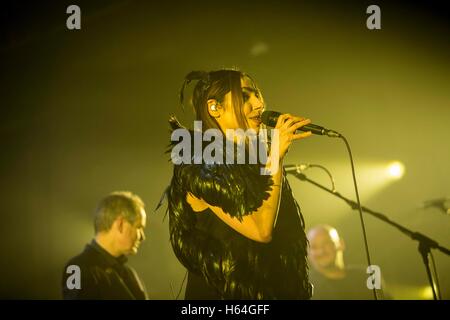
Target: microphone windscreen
270	118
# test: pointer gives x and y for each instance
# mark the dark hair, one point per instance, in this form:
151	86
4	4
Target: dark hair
215	85
119	203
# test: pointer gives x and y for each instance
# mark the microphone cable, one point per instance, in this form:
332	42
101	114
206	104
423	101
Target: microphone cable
366	246
304	167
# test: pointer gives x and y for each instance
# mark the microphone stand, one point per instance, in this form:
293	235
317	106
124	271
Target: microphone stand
425	243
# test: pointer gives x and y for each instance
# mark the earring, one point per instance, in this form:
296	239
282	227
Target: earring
213	107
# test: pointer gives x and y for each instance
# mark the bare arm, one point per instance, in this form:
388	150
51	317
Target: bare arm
258	225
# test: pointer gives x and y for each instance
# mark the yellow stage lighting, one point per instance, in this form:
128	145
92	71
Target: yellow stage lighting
396	170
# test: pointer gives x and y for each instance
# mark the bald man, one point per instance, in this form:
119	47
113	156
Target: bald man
332	279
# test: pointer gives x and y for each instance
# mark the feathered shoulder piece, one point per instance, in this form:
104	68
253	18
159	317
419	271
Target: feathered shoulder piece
238	189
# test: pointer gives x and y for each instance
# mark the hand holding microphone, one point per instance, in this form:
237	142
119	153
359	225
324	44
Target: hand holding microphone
287	126
271	118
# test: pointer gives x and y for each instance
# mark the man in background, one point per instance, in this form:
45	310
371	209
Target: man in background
332	279
100	271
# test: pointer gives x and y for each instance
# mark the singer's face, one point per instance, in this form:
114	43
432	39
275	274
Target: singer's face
253	103
252	108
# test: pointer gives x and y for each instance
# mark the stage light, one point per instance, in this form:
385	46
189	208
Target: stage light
396	170
334	235
426	293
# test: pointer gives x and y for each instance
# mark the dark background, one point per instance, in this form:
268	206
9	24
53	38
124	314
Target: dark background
85	112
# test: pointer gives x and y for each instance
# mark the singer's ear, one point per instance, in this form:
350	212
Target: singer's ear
215	110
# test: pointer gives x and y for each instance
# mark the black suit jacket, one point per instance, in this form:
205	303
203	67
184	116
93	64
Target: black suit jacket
102	277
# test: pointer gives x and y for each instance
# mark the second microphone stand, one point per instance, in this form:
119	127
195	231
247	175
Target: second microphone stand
425	243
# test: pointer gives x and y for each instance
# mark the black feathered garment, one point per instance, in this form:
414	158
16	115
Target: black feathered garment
222	260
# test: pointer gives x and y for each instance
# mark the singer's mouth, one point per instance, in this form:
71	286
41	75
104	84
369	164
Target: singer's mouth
256	117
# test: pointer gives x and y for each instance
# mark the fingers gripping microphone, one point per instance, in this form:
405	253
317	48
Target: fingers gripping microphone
270	118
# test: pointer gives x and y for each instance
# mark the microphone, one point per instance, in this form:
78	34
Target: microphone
269	118
441	203
297	167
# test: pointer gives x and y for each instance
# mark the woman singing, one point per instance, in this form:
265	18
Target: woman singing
239	233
